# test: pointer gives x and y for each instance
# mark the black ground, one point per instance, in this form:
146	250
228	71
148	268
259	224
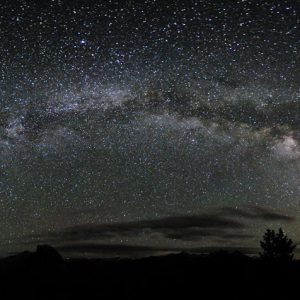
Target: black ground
45	275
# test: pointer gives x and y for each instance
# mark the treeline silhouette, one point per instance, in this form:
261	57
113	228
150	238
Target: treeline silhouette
44	274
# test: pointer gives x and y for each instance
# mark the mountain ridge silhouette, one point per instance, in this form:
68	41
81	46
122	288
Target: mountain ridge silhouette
45	274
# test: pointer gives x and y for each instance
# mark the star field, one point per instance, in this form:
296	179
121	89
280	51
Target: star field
154	125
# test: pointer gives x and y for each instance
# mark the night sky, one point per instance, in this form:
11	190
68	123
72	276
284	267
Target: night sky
132	128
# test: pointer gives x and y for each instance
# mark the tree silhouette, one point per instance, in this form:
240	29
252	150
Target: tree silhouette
277	246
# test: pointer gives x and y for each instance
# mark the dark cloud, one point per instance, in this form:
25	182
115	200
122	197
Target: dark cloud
110	249
225	224
208	250
139	251
195	234
247	212
256	212
192	234
165	226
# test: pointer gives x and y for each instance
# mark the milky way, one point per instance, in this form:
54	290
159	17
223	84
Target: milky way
141	127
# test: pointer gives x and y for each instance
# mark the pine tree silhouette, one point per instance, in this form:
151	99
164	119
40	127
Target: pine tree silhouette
277	246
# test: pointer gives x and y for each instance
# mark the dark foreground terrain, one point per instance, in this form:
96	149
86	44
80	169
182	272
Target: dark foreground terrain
45	275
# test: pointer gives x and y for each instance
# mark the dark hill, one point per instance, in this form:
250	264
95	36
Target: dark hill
45	275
